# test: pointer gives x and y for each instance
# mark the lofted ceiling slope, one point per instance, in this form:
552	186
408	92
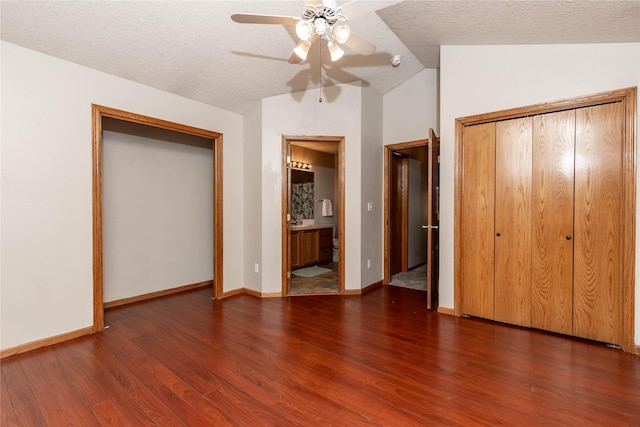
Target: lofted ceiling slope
194	49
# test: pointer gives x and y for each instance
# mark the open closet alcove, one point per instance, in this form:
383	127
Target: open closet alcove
545	219
170	140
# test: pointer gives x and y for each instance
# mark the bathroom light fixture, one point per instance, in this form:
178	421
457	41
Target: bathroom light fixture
300	165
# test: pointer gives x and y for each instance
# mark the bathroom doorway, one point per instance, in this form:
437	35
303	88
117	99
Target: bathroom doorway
313	215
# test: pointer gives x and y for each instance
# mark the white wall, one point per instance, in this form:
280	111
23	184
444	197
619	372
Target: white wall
252	192
411	109
481	79
301	114
324	187
157	199
372	184
46	259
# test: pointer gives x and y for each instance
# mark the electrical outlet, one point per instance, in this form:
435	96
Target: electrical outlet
256	268
369	206
368	263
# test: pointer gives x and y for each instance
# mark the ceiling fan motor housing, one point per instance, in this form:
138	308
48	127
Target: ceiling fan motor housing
324	12
323	18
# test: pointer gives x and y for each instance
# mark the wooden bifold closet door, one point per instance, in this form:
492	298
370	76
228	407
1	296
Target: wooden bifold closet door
597	287
541	220
478	194
496	229
513	222
552	255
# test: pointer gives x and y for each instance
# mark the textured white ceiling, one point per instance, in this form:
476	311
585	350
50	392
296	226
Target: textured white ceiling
194	49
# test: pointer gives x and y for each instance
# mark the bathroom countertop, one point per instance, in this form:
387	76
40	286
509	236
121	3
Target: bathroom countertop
310	227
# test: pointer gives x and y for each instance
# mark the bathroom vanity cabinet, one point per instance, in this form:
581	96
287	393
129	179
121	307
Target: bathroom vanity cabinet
311	245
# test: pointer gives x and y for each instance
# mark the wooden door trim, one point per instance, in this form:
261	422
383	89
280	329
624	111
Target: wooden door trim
286	226
628	97
99	112
433	218
388	152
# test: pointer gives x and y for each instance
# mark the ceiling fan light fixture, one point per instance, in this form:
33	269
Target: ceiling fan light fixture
304	30
320	26
335	51
341	33
302	49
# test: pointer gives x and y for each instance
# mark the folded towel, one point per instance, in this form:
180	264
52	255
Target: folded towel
327	210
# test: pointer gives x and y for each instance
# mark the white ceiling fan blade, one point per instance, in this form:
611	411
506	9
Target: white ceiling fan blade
314	2
357	8
248	18
360	45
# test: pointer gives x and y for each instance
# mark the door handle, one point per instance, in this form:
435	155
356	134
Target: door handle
429	227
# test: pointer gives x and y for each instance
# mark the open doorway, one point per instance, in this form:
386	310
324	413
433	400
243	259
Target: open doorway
411	216
313	215
108	118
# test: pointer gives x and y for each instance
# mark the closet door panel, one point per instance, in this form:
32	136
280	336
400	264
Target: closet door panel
477	228
513	221
552	222
598	190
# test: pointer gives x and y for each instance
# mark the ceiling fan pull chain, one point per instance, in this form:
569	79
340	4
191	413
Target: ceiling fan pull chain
320	71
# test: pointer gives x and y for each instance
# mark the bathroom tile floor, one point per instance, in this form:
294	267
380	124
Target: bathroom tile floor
326	283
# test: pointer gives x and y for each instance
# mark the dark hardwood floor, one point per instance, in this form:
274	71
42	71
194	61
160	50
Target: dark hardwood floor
377	359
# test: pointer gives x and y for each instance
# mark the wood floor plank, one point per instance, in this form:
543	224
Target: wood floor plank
28	409
7	411
135	414
373	359
56	409
109	415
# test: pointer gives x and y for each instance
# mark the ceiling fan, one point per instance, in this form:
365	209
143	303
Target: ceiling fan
323	19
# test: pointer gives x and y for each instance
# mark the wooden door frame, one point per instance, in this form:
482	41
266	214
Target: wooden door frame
433	207
286	225
628	97
388	152
99	112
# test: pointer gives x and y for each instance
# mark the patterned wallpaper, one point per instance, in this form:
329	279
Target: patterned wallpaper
302	200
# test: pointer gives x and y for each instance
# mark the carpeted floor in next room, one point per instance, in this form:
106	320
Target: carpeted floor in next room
412	279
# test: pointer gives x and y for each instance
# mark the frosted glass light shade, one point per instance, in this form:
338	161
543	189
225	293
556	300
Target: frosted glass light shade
302	49
341	33
335	51
304	30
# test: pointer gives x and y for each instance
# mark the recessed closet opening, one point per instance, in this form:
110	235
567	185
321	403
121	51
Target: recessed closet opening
157	209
